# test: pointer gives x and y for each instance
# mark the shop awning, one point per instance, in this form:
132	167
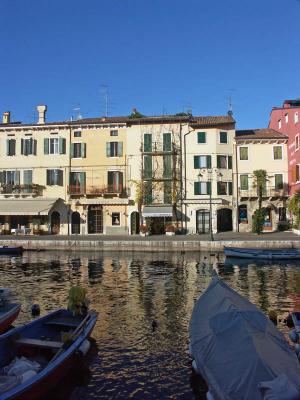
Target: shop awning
26	206
157	211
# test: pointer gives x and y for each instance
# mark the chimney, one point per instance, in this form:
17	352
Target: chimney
6	117
42	114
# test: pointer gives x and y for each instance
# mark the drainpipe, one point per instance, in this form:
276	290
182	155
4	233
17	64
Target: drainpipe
68	178
184	149
237	189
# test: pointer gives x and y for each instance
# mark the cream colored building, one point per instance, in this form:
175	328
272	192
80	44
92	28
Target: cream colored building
257	149
208	174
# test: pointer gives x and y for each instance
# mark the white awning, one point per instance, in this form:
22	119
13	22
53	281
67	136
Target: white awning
157	211
26	206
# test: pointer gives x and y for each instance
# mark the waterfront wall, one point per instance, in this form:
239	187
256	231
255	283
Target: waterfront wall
146	245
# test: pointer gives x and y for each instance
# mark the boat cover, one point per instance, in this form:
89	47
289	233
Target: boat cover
237	349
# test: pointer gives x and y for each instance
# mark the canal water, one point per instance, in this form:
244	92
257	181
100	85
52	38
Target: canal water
144	300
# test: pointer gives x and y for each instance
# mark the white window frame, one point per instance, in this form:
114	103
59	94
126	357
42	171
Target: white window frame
286	118
279	124
297	142
277	159
296	117
55	145
80	144
240	153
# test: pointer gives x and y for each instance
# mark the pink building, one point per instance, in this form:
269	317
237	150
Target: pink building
286	119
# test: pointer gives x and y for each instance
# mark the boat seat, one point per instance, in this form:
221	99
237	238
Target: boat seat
51	344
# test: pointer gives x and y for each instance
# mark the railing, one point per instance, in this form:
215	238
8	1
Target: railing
158	147
268	192
96	190
22	190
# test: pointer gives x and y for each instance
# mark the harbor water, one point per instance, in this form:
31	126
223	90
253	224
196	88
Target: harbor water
145	300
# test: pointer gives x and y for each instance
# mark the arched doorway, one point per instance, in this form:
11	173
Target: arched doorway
224	220
55	222
75	227
202	221
135	223
95	219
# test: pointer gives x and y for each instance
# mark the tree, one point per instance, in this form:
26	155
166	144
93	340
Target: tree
294	206
136	114
260	180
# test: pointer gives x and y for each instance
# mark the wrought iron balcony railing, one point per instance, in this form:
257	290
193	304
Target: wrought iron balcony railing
21	190
91	190
268	192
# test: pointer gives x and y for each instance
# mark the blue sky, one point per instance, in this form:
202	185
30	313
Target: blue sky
159	56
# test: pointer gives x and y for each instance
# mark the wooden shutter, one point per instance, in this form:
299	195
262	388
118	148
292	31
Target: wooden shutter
46	146
108	149
22	146
196	162
148	142
201	137
197	188
83	150
120	149
167	146
229	162
208	186
208	161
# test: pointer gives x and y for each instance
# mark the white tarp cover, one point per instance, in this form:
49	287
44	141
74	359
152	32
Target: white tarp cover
236	347
157	211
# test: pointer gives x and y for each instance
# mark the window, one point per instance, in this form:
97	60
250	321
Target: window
77	182
114	181
297	142
296	117
286	117
114	149
277	152
279	124
27	177
281	213
224	162
224	188
28	147
202	188
167	144
115	218
278	181
114	132
202	162
55	146
167	166
77	134
11	147
223	137
243	217
78	150
201	137
243	153
148	142
10	177
54	177
244	182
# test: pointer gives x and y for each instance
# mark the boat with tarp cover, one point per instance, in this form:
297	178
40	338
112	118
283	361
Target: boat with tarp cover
238	351
262	254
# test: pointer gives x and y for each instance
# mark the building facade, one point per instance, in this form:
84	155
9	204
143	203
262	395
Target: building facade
260	149
286	119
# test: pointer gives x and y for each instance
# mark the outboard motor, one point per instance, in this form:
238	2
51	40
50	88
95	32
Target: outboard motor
35	310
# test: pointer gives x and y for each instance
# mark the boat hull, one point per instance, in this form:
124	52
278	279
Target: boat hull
8	318
262	254
13	251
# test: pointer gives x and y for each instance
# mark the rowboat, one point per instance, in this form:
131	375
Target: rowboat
36	356
8	311
262	254
237	350
11	250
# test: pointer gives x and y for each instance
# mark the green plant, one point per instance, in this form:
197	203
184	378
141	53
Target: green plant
260	182
258	221
294	207
136	114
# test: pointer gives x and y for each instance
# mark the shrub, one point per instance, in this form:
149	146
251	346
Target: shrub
258	221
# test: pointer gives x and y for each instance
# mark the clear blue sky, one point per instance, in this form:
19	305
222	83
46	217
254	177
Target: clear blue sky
160	56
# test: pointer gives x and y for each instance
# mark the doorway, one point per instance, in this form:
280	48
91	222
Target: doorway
55	223
75	223
135	223
95	219
224	220
202	221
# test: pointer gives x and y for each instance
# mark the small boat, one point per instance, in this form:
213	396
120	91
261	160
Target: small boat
8	311
36	356
262	254
11	250
237	350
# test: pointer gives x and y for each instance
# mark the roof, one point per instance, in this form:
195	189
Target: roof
265	133
213	120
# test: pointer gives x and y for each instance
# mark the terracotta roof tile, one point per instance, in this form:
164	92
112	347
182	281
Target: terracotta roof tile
265	133
213	120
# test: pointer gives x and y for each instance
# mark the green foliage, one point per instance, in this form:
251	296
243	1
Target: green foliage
136	114
294	207
260	182
258	221
183	114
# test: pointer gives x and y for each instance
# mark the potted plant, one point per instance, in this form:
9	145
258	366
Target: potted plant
144	231
170	230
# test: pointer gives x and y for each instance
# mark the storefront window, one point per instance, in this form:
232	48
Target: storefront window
115	218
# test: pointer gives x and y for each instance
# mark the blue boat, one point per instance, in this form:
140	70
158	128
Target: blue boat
238	351
47	347
262	254
11	250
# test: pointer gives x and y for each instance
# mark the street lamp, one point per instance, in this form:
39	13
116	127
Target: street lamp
207	174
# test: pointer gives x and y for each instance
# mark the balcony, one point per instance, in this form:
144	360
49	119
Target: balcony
269	192
30	190
157	148
91	190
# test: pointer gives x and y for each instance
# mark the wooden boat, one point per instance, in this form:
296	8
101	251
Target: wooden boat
8	313
11	250
52	341
262	254
238	351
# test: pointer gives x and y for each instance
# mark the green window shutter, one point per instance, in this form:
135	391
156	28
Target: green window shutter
110	178
2	181
13	147
230	188
17	177
197	188
27	177
167	146
108	149
201	137
196	162
147	142
8	147
147	166
208	161
208	185
60	178
278	181
167	166
48	177
34	146
219	162
120	149
223	137
229	162
167	192
219	188
62	145
83	150
72	150
46	146
22	146
82	180
148	192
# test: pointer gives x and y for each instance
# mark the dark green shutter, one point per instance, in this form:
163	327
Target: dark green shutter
197	188
196	162
208	185
8	147
167	146
48	177
22	146
83	150
208	161
230	188
219	188
201	137
72	150
108	149
110	178
46	146
218	161
223	137
62	145
2	181
167	166
120	149
229	162
17	175
147	142
147	166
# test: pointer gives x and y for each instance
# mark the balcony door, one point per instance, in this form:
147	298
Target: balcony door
202	221
95	219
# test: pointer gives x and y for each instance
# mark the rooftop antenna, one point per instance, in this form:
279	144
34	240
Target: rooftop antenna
230	106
